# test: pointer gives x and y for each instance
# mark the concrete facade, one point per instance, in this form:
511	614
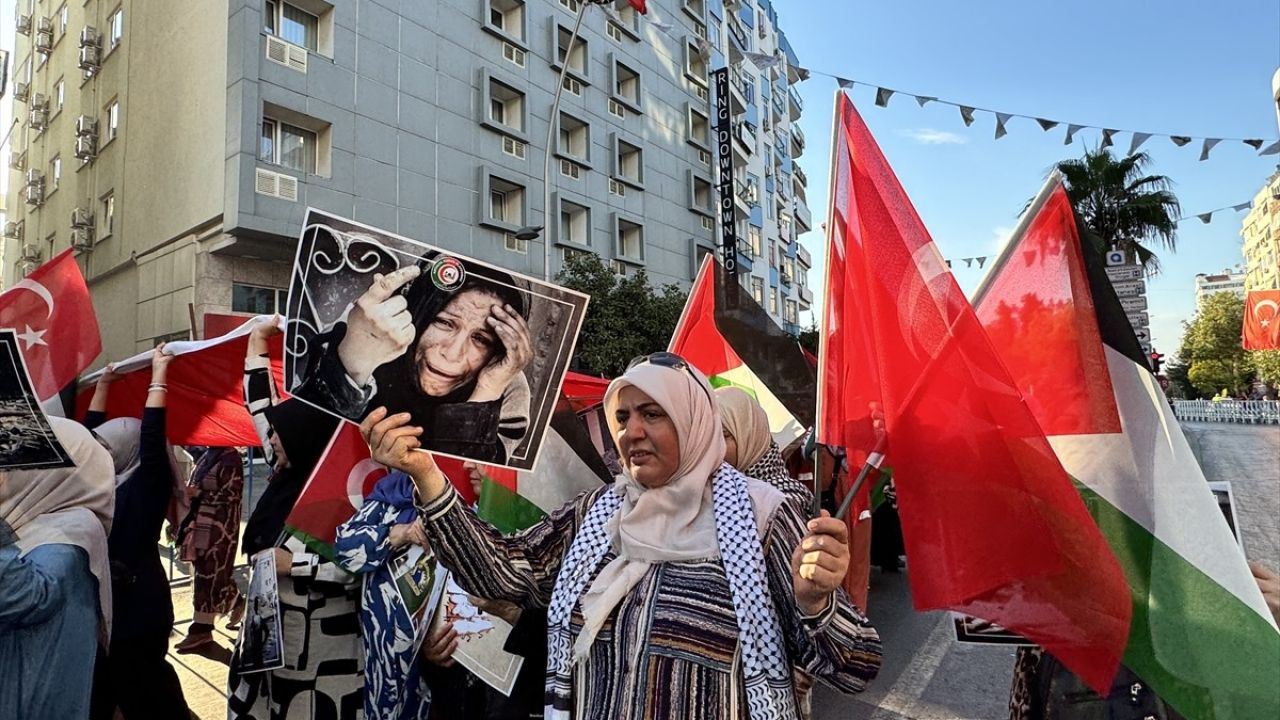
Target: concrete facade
428	119
1261	233
1229	280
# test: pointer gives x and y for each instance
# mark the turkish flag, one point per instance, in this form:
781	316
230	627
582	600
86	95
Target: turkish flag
1262	320
639	5
57	330
993	526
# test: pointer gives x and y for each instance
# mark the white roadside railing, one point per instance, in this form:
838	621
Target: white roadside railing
1236	411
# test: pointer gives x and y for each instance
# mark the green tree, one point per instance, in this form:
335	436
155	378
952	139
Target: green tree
1119	206
1211	347
1180	386
1267	365
808	338
626	316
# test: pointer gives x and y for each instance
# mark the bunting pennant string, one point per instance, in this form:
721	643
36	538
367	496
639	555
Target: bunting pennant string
1262	147
1207	217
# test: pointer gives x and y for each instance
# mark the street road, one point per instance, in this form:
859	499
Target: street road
927	675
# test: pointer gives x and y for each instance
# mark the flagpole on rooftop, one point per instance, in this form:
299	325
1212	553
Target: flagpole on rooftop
1024	221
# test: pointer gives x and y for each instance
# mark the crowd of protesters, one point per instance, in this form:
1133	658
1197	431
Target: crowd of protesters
698	583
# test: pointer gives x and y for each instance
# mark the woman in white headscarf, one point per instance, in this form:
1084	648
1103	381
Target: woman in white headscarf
685	589
55	581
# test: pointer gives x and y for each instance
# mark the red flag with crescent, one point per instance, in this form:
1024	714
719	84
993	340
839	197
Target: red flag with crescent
1262	320
57	330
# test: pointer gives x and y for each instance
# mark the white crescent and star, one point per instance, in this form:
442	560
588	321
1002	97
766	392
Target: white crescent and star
32	337
38	289
356	478
1257	311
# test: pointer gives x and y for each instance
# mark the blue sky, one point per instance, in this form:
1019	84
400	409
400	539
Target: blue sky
1176	67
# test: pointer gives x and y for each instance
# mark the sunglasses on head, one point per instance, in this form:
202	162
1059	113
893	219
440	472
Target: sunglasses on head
669	360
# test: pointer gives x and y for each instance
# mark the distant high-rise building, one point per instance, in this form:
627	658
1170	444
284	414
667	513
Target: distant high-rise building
1228	280
1261	233
178	151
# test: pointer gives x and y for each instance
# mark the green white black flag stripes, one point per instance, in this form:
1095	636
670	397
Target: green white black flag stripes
1201	635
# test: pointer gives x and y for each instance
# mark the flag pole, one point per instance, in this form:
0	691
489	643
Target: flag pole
1032	210
816	510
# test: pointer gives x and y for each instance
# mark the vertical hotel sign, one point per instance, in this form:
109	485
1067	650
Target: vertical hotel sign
724	165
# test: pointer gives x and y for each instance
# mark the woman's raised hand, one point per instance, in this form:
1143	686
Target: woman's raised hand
819	563
394	442
266	328
513	332
379	326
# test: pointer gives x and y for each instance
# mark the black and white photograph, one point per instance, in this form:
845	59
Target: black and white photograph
27	442
262	647
975	631
475	354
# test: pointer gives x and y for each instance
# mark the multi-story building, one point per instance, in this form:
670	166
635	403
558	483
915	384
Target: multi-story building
1229	280
1261	233
177	151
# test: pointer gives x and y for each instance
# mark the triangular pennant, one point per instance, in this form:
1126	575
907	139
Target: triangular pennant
1180	140
1272	149
882	97
1205	217
1072	129
802	73
1207	146
1138	139
1106	137
981	261
1001	119
948	264
966	113
924	99
968	262
1047	125
1241	206
845	83
1255	143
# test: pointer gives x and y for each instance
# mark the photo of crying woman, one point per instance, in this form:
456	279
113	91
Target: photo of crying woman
473	353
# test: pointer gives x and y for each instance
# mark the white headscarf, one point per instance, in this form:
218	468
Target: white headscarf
67	506
675	522
747	422
123	437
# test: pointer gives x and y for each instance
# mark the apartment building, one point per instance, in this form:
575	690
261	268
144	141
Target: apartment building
1261	233
176	149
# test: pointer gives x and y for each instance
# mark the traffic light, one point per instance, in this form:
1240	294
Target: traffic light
1156	360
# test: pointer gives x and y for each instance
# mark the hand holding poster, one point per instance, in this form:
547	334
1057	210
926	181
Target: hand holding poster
481	638
261	644
475	354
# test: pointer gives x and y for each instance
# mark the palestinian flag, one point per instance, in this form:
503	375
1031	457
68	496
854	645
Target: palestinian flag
1201	635
733	341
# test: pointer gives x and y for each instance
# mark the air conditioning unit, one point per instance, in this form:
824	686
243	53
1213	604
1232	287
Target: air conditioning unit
86	125
82	239
21	91
34	195
13	231
274	184
86	147
44	25
514	148
513	54
30	252
81	218
570	169
24	24
90	59
286	54
38	118
39	101
90	37
17	161
617	188
43	41
34	177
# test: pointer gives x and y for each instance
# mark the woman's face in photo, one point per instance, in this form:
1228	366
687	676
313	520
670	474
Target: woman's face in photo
457	344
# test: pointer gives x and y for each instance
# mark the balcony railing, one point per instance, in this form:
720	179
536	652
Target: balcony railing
802	255
804	179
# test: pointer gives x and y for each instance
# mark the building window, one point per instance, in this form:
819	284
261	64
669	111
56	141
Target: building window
792	314
258	300
504	205
753	237
773	301
700	195
630	240
628	162
55	172
507	17
695	64
288	146
773	255
575	224
115	29
570	5
757	290
575	138
108	214
697	9
112	123
629	19
514	244
784	226
292	24
577	60
504	108
699	128
64	20
626	86
59	95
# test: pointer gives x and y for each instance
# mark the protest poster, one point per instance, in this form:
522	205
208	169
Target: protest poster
481	639
261	642
417	578
474	353
974	631
1227	504
27	441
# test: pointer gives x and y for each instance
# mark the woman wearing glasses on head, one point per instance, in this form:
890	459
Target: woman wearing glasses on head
684	589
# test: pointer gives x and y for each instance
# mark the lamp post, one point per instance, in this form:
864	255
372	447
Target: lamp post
533	232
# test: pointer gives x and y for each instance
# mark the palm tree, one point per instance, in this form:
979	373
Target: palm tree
1120	206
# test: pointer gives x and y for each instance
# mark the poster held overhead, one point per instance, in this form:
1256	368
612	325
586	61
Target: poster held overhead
474	353
27	442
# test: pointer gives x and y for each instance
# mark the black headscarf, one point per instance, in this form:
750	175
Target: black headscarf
304	433
397	380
